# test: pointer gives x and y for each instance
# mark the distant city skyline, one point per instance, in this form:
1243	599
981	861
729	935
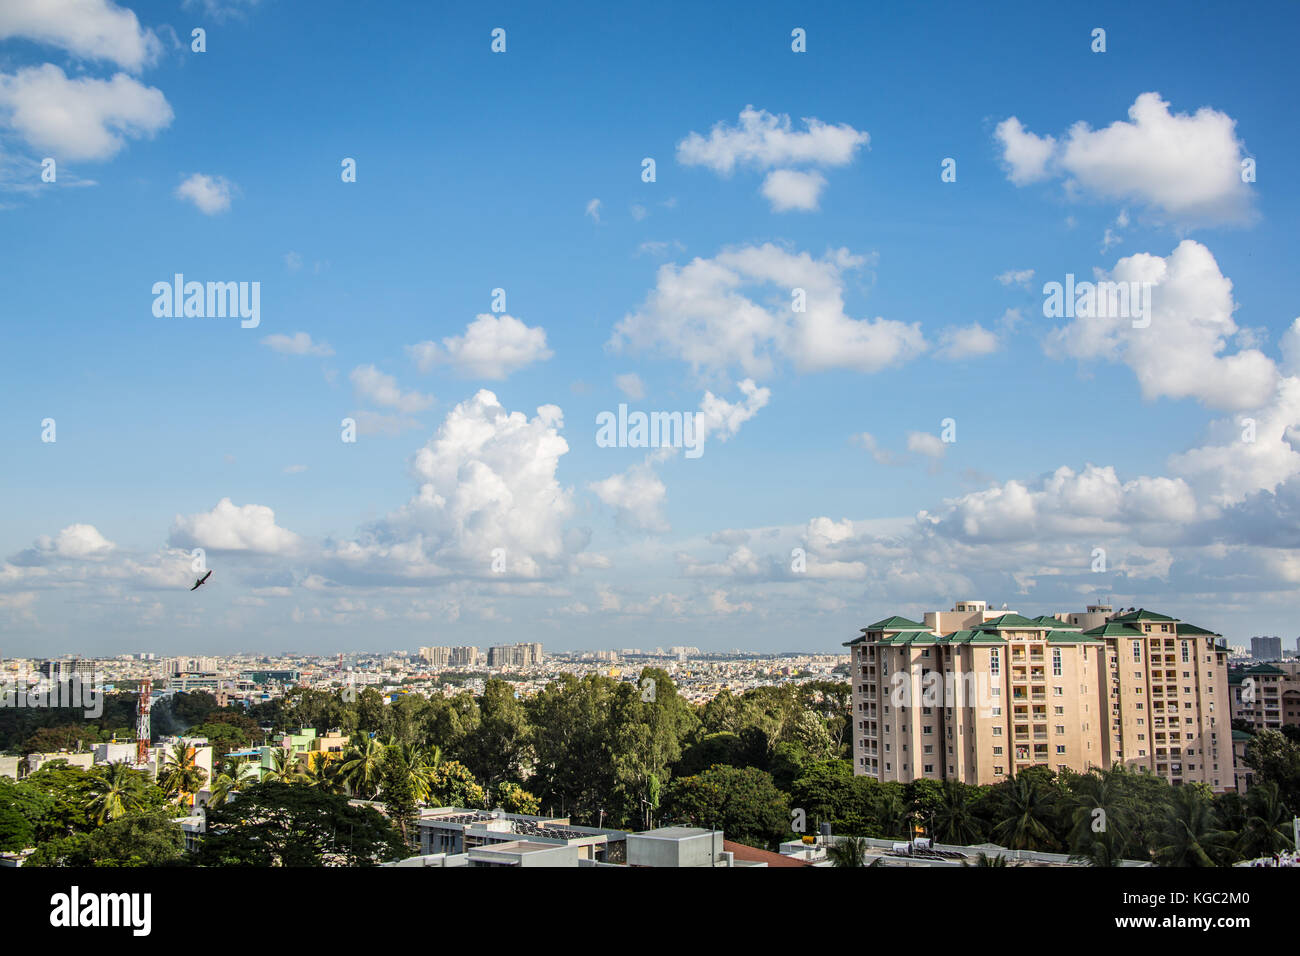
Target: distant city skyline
747	343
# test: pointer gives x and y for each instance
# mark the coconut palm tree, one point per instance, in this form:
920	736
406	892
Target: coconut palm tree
953	820
181	776
285	767
890	813
362	766
117	790
848	851
1101	820
235	773
1268	823
323	773
1188	833
1026	810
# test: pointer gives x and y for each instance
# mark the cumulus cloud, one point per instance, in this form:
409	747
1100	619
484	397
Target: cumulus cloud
382	389
699	314
231	527
788	189
923	443
1020	277
299	343
637	497
82	118
90	29
1181	353
1092	502
76	542
1183	167
764	141
493	347
487	481
969	341
210	194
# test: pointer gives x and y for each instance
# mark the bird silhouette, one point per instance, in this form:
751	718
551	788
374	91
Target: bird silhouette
200	581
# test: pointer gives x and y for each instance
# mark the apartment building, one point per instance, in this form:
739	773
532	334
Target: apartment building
976	695
515	655
1267	696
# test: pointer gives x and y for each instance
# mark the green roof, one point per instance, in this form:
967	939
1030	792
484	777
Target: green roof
894	623
1265	669
1184	628
1141	614
1055	623
1113	629
1009	620
971	636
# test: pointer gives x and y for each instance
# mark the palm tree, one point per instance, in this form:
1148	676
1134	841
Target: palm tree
181	776
117	792
1188	835
285	767
1102	830
985	860
953	820
322	772
890	813
1025	808
419	763
362	766
1268	822
848	851
235	772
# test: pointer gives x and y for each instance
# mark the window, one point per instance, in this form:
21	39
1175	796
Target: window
1058	691
1060	728
927	729
997	731
1137	652
997	751
995	661
1186	653
1058	711
1056	662
1060	748
929	768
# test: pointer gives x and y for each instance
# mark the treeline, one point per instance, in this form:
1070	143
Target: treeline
763	766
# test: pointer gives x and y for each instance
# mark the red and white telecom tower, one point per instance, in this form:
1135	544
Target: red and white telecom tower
142	731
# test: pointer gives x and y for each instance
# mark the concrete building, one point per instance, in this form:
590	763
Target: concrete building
677	847
977	695
1266	648
515	655
454	830
1267	696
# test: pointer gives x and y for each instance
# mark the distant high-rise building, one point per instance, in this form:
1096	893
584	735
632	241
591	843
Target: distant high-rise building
466	656
436	656
1266	648
515	655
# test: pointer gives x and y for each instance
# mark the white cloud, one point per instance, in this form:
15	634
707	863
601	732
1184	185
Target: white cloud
868	441
764	140
90	29
970	341
75	542
488	481
1025	153
1020	277
1179	354
923	443
211	194
381	389
493	347
230	527
299	343
630	384
81	118
722	419
697	313
1186	167
788	189
637	497
593	209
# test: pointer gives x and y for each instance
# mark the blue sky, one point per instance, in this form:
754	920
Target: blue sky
522	171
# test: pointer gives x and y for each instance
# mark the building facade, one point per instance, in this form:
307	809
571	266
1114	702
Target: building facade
976	696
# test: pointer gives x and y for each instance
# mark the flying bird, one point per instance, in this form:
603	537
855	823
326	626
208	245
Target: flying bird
200	581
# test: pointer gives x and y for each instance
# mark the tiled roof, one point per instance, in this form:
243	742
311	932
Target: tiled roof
1141	614
1114	629
750	854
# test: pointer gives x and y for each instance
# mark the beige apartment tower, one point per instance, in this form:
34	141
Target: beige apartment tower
976	696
